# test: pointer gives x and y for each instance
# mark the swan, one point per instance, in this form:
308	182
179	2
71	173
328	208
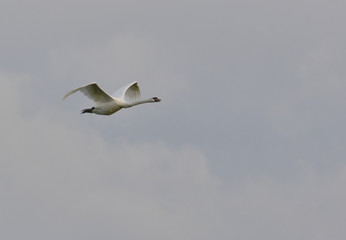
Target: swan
125	97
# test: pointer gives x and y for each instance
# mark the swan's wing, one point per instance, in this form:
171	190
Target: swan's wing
129	92
92	91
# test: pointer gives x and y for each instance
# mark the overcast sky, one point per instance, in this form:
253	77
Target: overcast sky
249	141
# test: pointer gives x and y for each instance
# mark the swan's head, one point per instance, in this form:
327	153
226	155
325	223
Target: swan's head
156	99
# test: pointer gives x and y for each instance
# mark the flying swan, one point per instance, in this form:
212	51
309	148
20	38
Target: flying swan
125	97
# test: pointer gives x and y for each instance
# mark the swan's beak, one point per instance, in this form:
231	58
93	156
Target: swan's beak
157	99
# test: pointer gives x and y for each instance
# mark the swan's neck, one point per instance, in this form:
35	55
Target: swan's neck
150	100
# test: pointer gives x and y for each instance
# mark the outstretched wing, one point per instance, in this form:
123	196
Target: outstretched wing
92	91
129	92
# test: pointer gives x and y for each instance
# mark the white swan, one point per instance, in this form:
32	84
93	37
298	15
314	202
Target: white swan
125	97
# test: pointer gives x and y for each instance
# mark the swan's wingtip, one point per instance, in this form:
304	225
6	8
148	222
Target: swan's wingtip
64	97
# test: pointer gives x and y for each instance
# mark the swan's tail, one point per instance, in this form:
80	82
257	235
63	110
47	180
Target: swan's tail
87	110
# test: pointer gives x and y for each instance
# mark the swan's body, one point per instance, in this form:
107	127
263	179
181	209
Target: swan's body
125	97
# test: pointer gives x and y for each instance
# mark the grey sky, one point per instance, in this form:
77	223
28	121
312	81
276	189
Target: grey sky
247	143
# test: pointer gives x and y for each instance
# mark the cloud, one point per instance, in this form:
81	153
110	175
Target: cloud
71	176
61	178
306	207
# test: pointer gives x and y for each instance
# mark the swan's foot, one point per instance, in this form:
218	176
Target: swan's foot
88	110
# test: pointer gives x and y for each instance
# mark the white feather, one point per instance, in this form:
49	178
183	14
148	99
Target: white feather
125	97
